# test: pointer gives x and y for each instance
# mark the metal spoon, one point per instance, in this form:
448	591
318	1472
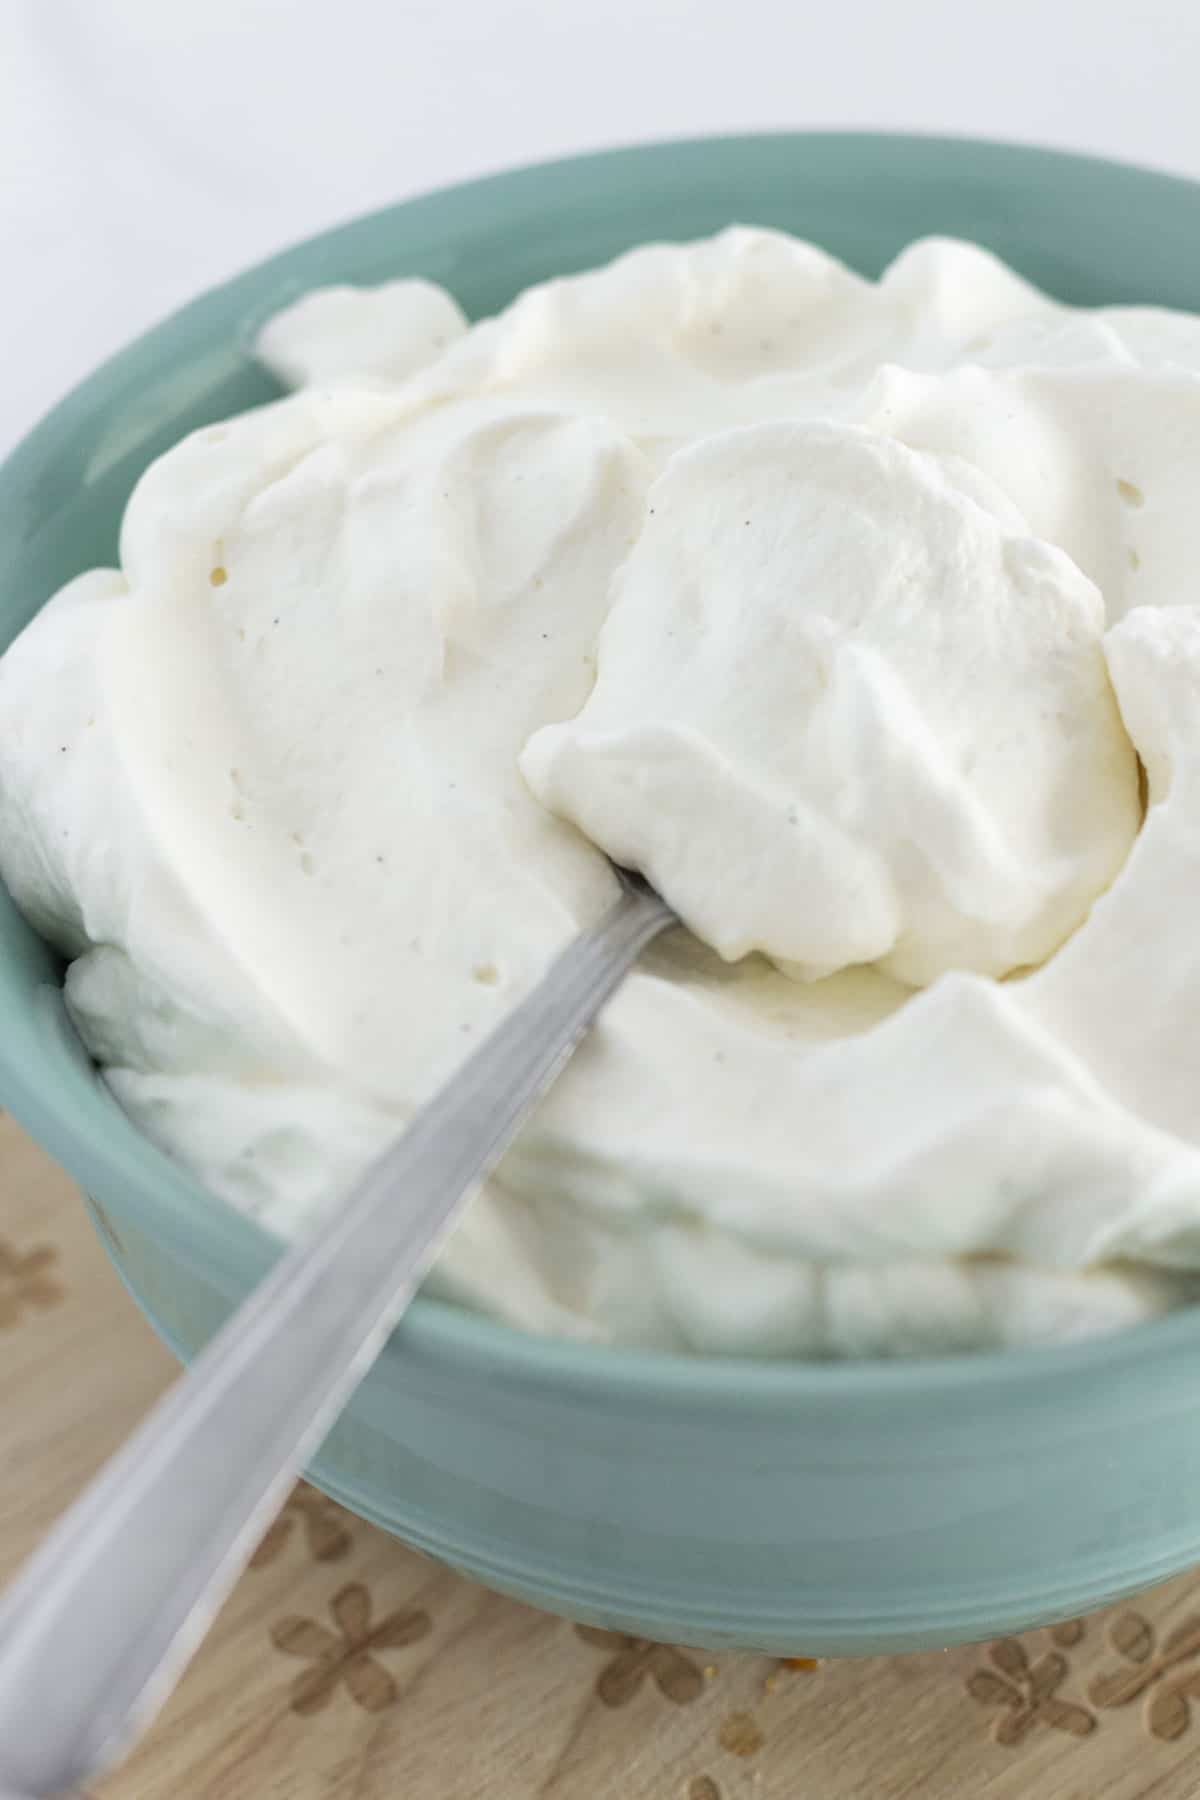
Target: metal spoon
167	1527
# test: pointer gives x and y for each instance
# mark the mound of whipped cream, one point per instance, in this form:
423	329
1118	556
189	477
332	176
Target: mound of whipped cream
862	616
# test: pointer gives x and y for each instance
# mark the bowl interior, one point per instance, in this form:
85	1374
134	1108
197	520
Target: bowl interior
1089	231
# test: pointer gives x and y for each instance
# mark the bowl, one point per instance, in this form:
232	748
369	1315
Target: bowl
817	1509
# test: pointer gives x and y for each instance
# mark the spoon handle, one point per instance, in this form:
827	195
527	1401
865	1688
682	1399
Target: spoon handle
101	1622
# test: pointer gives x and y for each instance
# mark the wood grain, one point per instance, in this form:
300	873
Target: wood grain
346	1667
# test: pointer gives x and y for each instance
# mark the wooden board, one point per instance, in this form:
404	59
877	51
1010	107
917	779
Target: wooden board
349	1668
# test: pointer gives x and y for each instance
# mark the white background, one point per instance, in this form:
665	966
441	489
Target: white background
151	147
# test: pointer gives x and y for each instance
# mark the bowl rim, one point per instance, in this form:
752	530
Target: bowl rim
445	1332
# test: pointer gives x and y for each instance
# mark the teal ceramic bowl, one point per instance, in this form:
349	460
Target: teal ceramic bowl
828	1510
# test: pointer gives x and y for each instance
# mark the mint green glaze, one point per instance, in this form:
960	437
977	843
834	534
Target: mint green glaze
826	1510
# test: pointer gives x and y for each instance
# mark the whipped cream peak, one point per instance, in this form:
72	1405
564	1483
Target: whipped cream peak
368	336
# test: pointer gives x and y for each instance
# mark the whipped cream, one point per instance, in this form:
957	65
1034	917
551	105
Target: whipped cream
848	711
313	787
